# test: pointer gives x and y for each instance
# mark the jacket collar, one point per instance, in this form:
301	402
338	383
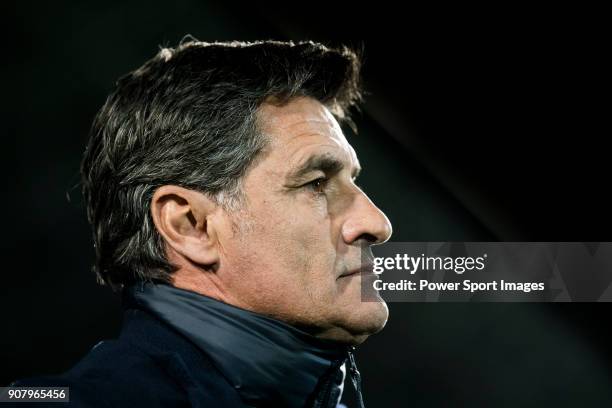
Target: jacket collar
264	359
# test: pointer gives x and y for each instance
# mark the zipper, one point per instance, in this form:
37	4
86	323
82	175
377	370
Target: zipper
324	400
355	376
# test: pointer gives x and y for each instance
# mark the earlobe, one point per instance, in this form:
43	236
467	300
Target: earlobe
185	220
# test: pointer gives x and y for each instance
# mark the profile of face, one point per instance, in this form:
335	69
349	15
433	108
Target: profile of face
293	251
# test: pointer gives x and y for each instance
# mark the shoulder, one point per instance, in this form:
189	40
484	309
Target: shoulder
115	374
149	365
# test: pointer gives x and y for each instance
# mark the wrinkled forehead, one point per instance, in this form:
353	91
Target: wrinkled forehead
303	124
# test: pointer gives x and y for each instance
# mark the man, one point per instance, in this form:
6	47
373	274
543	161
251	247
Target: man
221	191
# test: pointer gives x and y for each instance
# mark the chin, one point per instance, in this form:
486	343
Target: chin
364	320
375	315
357	324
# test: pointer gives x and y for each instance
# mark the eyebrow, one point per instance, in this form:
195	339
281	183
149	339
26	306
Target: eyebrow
327	163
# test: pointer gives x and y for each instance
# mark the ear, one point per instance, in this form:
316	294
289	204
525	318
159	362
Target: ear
184	218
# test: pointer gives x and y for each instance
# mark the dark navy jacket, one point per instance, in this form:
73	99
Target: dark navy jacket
149	365
153	365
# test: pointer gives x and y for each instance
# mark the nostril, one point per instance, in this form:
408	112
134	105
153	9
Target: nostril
368	237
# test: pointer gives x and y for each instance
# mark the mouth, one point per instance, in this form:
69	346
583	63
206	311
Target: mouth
363	270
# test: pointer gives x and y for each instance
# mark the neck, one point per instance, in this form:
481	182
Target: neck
264	359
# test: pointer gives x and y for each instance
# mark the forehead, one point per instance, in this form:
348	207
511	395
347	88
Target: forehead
301	128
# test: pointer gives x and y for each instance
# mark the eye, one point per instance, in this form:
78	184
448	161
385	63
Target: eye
317	185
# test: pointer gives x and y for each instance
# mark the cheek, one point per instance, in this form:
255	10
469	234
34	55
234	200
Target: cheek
299	240
299	223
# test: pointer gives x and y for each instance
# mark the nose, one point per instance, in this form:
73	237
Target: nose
366	221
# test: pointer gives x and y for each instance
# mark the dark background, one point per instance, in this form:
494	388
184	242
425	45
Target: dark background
472	131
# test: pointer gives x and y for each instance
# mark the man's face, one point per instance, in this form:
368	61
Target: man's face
294	249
